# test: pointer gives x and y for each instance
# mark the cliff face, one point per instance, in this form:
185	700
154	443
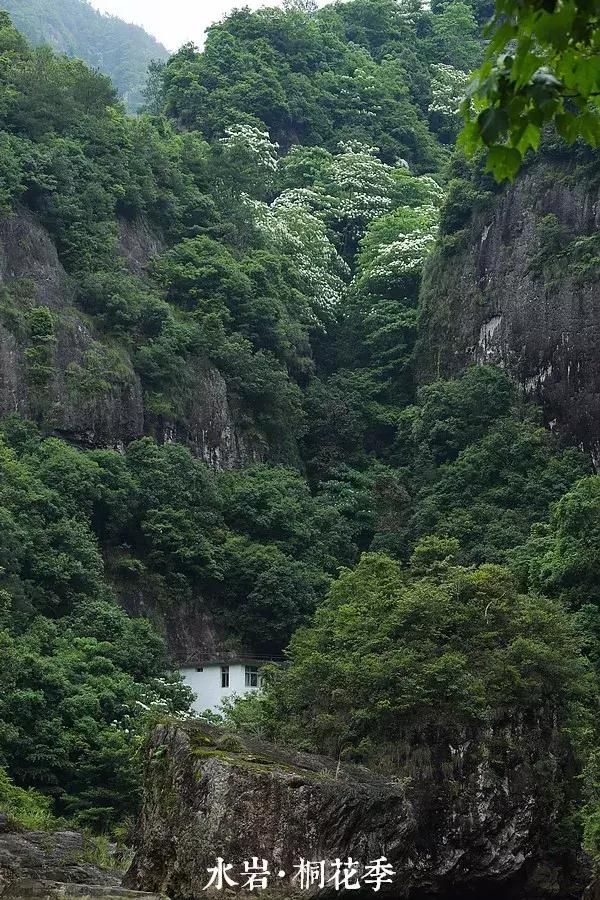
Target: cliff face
71	397
522	289
188	625
469	823
88	391
209	423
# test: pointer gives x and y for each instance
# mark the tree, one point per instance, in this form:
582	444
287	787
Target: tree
455	33
561	559
78	677
391	653
540	68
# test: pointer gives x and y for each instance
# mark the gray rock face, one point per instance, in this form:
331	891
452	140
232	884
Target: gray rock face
470	823
108	416
92	396
40	865
60	856
492	301
209	424
593	890
138	244
26	251
188	626
79	400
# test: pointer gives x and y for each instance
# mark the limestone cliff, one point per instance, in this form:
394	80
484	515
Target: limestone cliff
471	822
520	286
88	390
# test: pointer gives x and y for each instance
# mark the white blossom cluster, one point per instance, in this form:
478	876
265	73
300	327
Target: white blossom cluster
399	249
293	228
303	198
353	190
155	698
362	186
448	87
404	256
435	192
254	143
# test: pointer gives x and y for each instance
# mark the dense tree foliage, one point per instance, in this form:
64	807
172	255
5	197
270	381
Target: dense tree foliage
74	669
262	251
365	71
396	653
540	67
77	675
118	49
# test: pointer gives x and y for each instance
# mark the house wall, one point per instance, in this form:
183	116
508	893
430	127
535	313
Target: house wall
206	685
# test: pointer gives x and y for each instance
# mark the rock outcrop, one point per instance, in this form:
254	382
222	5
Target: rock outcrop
188	626
469	822
138	244
84	395
208	424
41	865
90	393
522	289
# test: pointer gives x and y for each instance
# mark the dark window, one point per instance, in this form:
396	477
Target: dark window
224	676
251	676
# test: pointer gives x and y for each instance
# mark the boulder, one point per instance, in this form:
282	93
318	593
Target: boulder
474	831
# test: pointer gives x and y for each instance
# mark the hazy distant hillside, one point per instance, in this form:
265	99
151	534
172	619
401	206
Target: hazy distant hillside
120	50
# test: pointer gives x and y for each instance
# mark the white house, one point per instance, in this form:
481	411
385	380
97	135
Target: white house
214	679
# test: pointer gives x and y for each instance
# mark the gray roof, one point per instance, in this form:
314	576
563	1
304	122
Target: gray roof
197	660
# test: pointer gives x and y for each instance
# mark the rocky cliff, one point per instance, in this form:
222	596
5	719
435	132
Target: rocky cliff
593	890
469	822
67	393
189	626
520	287
87	390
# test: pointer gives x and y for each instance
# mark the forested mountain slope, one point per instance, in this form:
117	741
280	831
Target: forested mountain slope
155	283
118	49
283	230
208	321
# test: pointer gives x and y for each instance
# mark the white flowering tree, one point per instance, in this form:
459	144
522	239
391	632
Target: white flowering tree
347	202
448	87
394	249
354	188
304	6
383	294
250	158
359	188
156	699
292	226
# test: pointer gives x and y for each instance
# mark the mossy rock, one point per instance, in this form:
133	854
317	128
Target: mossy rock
231	743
